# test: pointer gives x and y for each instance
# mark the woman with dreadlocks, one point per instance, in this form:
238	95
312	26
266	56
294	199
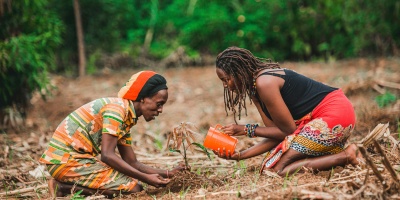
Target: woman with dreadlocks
306	122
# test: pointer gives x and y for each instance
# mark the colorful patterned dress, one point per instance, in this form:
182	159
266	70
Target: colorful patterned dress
323	131
324	117
71	155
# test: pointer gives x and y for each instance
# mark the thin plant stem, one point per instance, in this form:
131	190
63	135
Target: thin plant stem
184	153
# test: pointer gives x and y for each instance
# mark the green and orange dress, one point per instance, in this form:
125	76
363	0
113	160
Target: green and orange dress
71	154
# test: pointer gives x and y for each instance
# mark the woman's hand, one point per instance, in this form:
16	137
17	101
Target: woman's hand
179	168
156	180
233	129
227	154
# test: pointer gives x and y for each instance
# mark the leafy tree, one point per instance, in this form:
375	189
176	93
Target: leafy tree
29	33
373	26
107	27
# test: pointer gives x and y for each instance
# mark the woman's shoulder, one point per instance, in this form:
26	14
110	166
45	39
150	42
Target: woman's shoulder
271	71
111	102
270	77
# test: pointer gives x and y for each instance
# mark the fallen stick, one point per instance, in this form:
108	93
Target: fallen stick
6	150
379	89
351	176
333	180
386	162
388	84
379	131
373	166
233	192
95	197
366	177
24	190
226	192
359	191
315	195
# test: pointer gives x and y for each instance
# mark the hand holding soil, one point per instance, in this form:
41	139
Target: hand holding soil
180	168
156	180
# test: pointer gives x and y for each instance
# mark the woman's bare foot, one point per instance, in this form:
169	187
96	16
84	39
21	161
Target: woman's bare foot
54	188
354	156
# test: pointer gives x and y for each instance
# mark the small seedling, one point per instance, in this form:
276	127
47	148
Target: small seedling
289	178
77	196
198	172
184	133
183	193
158	144
238	190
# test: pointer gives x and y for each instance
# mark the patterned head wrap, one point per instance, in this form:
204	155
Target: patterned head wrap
142	84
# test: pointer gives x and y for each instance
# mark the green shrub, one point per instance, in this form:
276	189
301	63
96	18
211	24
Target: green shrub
385	99
30	32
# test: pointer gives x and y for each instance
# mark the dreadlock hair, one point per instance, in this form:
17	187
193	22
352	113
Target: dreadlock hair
243	66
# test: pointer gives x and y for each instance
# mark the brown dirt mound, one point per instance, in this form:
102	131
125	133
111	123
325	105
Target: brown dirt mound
185	180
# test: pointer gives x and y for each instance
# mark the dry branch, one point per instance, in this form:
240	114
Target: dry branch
95	197
6	151
373	166
359	191
24	190
379	131
379	89
388	84
334	180
315	195
366	177
386	162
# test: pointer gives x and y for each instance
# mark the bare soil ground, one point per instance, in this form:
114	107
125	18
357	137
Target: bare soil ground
196	95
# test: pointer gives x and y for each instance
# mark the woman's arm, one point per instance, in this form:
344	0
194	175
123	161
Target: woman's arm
269	131
258	149
109	157
268	88
129	156
267	122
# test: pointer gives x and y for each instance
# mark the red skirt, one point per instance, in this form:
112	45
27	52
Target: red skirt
321	132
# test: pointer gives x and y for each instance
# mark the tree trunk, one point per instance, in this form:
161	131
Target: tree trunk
150	31
81	44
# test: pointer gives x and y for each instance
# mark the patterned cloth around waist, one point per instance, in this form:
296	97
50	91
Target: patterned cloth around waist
323	131
93	174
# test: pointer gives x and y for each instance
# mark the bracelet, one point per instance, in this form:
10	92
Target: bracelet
250	130
167	174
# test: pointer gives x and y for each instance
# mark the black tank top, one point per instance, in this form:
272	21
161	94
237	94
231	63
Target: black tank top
300	93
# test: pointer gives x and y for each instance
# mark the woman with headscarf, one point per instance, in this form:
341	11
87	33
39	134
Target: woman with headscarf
97	128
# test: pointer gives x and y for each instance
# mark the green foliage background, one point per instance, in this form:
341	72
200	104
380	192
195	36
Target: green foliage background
28	36
39	36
